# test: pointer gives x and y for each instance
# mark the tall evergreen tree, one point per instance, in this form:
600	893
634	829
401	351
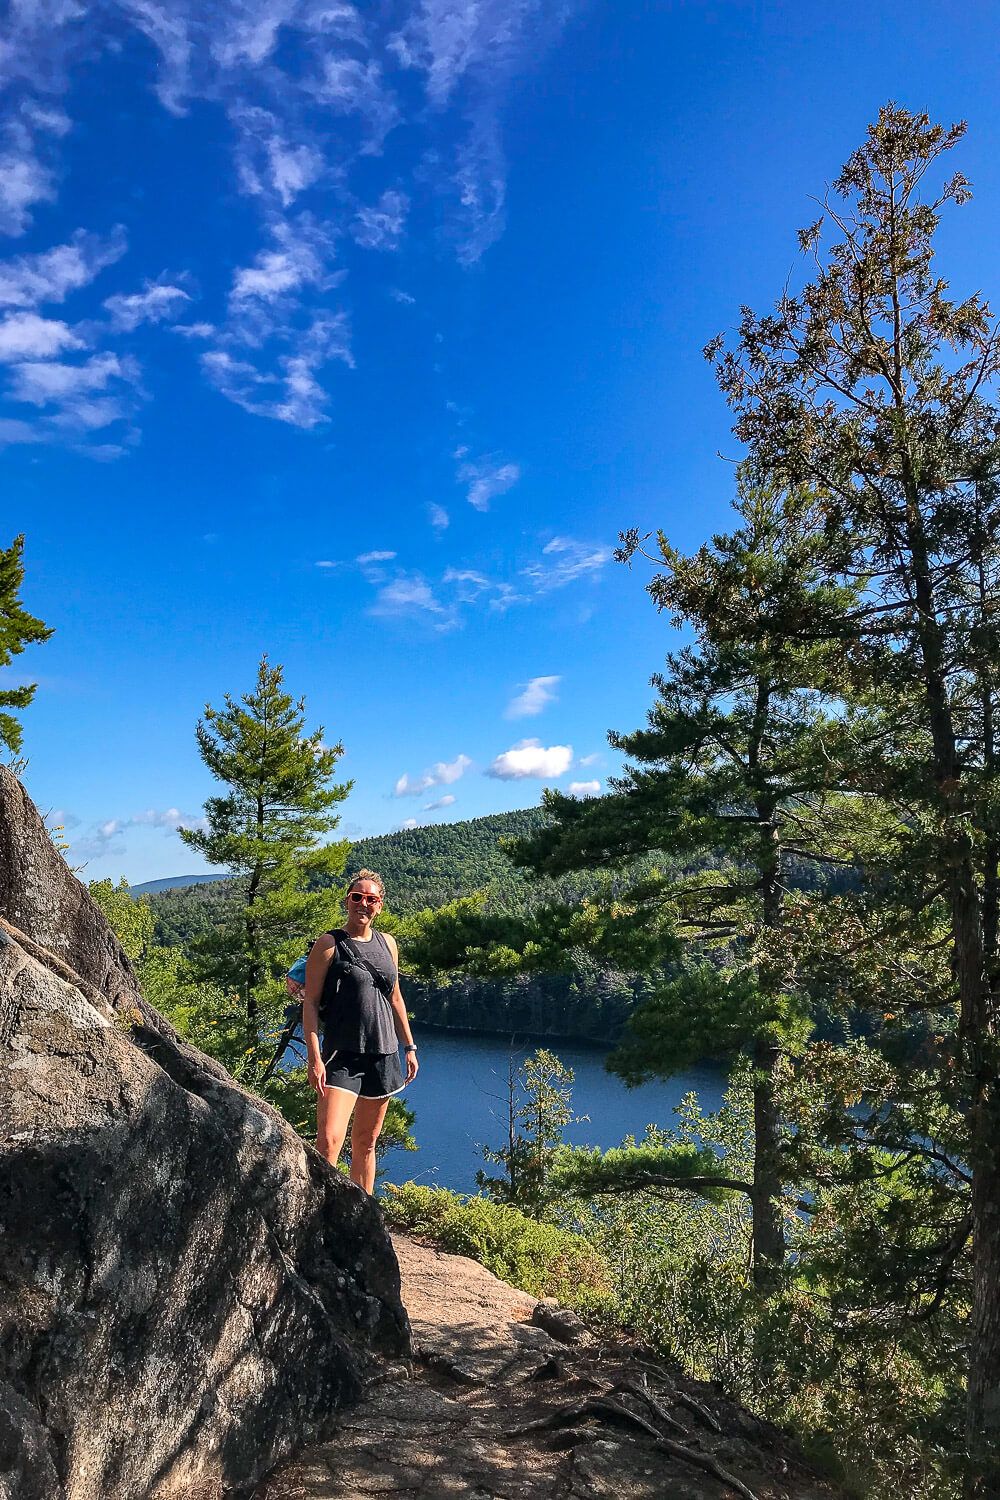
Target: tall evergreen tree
876	388
728	780
17	630
269	829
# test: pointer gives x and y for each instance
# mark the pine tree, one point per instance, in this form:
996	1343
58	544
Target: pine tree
268	829
17	630
730	781
875	387
539	1109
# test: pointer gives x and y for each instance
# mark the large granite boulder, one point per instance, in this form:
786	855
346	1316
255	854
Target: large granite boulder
187	1292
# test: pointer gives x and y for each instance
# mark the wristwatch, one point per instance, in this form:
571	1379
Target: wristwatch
412	1047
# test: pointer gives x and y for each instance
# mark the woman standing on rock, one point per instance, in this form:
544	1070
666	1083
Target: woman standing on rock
352	988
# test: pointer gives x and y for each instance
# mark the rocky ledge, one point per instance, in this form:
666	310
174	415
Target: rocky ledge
188	1292
506	1399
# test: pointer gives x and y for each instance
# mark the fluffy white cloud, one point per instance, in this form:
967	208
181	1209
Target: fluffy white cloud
30	280
584	788
365	558
158	302
530	758
533	698
442	773
486	479
410	823
26	335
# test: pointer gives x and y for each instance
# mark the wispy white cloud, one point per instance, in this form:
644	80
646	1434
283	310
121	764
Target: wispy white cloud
402	297
531	759
410	596
75	400
40	382
26	335
108	837
15	431
195	330
158	302
448	800
445	603
590	760
486	479
563	561
352	86
290	392
24	181
32	280
310	88
365	558
535	695
467	583
449	39
381	227
442	773
480	190
584	788
298	261
438	517
468	50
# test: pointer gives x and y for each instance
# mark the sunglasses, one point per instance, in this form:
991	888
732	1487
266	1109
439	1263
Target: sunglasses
359	896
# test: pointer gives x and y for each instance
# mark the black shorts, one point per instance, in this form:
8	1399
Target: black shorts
369	1075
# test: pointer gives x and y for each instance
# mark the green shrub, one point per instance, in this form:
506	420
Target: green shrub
539	1258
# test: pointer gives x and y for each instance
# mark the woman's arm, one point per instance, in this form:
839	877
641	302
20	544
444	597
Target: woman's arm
320	957
400	1019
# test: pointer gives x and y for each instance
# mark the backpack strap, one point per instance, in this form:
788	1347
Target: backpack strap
378	978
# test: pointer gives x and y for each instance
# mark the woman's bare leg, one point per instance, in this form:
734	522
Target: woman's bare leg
333	1115
368	1119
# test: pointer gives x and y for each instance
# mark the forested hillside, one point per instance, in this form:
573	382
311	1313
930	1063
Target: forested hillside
421	867
428	867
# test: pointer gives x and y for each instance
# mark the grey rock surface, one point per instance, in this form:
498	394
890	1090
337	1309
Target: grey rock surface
484	1412
188	1293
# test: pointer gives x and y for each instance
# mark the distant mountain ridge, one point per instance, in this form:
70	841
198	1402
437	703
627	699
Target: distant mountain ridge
174	883
421	867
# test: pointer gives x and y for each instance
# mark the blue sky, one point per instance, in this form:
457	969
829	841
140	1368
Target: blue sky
355	335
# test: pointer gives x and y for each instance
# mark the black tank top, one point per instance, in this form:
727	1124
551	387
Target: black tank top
355	1008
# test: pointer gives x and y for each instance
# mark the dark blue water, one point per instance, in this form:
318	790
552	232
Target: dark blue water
460	1102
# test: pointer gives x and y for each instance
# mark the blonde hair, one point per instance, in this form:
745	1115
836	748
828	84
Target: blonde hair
371	875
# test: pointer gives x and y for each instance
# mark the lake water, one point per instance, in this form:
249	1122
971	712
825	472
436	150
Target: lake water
460	1101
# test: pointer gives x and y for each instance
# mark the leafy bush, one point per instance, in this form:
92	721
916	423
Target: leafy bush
539	1258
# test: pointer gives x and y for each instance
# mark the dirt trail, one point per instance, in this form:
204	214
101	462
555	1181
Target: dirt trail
495	1407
